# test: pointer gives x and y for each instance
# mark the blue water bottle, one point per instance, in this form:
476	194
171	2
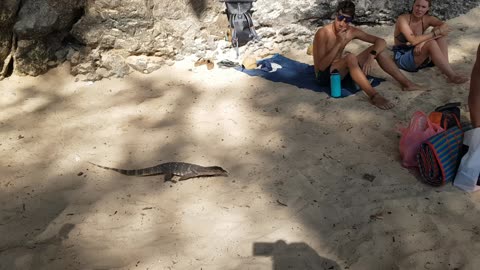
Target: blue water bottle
335	84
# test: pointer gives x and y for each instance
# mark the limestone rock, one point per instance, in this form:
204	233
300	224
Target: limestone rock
103	38
8	12
115	63
145	64
32	57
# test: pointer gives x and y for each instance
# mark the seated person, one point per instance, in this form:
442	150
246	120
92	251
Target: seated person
328	46
415	50
474	96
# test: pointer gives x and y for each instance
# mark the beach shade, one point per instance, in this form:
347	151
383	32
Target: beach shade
439	157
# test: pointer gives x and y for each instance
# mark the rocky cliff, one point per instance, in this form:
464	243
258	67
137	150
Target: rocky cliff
103	38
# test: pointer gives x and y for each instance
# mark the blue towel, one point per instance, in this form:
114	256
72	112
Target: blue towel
298	74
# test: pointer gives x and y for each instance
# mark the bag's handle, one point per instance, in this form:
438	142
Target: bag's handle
448	106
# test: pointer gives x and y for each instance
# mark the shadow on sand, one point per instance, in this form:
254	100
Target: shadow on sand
293	256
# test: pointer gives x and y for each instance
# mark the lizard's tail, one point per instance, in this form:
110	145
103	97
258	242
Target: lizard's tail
122	171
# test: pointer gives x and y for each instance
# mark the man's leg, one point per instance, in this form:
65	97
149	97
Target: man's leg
432	49
350	64
474	96
388	65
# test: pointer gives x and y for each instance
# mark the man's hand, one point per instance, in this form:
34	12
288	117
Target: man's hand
367	66
342	37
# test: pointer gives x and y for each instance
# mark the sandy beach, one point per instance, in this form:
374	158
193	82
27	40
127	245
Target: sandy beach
314	182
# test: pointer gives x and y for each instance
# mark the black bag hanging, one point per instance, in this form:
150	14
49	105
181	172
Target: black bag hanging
240	21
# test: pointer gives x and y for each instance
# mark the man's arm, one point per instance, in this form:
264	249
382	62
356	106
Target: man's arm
321	57
474	96
379	44
405	29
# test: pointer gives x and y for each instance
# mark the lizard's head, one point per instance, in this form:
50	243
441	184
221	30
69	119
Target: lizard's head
218	171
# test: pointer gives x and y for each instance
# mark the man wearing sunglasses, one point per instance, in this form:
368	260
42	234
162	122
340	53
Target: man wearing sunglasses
328	46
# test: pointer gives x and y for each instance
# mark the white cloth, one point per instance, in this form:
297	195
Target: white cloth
469	170
275	67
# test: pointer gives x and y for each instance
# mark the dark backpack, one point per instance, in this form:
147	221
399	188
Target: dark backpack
450	115
240	21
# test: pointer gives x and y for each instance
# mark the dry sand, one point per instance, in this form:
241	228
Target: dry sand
300	194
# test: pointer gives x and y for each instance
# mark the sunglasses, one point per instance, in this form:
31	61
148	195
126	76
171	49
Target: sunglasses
347	19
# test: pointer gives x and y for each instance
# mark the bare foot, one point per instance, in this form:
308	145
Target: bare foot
458	79
414	87
381	102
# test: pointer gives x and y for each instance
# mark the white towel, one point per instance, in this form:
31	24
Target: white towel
469	170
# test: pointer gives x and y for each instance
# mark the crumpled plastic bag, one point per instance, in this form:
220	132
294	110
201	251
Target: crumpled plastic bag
419	130
469	170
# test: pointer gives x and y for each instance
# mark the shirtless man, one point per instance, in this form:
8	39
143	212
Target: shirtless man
474	96
328	46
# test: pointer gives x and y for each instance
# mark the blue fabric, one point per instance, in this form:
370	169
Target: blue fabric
299	74
405	59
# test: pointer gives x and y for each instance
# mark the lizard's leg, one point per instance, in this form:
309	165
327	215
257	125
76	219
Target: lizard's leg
168	177
186	176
